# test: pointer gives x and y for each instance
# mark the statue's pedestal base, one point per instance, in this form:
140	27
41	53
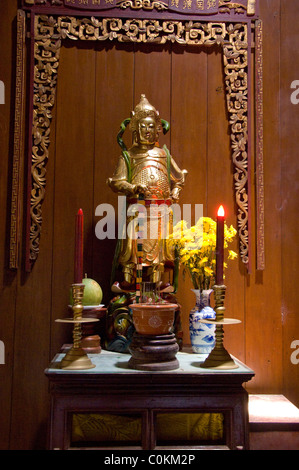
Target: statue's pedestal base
91	344
153	353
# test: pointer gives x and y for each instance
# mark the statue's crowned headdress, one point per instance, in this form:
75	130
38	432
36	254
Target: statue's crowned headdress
143	110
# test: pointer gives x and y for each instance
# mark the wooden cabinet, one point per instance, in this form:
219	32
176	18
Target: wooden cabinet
112	388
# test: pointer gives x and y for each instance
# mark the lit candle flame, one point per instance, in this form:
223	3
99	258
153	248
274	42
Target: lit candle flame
220	212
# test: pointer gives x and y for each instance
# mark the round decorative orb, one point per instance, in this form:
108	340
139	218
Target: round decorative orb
93	293
153	319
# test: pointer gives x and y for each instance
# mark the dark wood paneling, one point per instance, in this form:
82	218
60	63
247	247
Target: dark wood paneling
99	84
263	289
189	143
8	279
74	162
289	124
152	76
114	101
220	190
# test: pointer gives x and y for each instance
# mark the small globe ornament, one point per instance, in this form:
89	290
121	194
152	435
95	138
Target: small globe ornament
93	293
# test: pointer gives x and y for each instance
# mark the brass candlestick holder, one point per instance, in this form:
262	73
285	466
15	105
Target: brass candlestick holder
219	358
76	358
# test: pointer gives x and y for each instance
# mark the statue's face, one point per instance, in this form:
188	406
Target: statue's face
147	131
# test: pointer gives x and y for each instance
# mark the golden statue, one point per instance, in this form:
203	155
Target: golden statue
146	173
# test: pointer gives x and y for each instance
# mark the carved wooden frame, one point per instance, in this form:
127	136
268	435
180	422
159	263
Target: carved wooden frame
49	27
18	142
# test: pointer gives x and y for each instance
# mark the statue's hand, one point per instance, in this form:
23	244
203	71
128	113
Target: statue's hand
139	188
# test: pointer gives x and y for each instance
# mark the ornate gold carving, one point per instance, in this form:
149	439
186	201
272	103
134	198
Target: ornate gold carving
18	142
142	4
235	69
226	5
46	55
232	37
260	224
251	7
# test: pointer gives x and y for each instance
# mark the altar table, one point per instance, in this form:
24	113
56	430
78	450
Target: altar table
111	387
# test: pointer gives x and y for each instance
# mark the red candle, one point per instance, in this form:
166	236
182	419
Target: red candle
79	248
220	247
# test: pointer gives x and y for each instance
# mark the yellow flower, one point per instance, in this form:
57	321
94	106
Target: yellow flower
208	271
195	248
203	260
232	254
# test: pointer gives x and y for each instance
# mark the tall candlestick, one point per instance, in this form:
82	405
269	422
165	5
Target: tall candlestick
220	246
78	274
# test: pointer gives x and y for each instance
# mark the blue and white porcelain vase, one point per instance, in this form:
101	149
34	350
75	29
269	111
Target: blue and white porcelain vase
202	335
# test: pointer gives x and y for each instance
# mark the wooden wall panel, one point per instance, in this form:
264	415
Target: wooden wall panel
113	104
31	351
189	144
8	279
220	190
32	334
289	123
74	162
263	289
152	77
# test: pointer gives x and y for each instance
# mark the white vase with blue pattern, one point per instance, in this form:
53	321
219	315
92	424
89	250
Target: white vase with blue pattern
202	335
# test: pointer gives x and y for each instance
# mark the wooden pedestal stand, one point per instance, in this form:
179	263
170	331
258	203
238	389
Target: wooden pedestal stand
154	345
154	352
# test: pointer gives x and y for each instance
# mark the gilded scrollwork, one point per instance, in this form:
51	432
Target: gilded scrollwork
46	54
232	37
18	142
235	69
142	5
226	5
260	222
240	7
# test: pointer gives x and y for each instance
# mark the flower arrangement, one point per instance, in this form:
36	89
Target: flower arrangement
195	249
